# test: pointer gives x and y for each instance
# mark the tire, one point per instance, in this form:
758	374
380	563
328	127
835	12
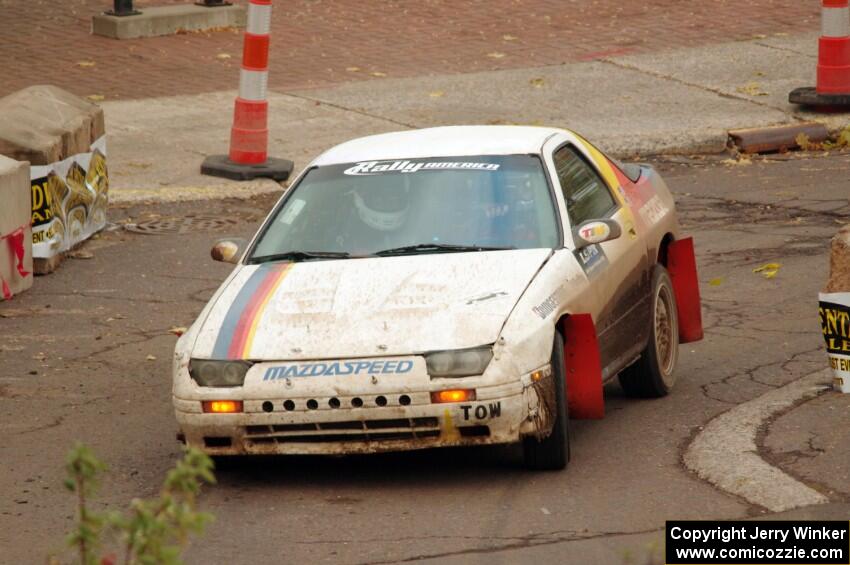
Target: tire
226	462
654	373
552	453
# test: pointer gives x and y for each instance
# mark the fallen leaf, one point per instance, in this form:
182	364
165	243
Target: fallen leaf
742	161
353	69
437	94
844	137
15	313
223	56
177	330
85	64
378	74
537	82
751	89
96	97
508	37
768	271
715	282
150	358
803	141
80	254
759	36
496	55
208	31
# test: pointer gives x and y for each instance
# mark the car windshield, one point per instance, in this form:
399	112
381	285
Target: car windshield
413	206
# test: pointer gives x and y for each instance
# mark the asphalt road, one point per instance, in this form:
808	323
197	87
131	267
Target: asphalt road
86	356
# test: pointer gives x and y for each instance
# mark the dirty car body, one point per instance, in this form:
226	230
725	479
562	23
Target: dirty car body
436	327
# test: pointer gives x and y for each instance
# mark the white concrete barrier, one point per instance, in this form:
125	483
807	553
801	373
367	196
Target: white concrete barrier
15	230
63	138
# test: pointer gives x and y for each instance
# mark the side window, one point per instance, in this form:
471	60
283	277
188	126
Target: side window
586	194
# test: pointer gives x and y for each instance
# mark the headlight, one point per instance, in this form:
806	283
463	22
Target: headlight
218	373
458	363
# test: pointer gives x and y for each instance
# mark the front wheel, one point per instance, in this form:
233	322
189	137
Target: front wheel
552	453
653	375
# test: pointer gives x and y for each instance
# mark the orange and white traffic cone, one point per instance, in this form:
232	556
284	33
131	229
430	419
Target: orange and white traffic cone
249	137
833	84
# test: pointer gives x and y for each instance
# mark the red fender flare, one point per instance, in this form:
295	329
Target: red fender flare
682	266
583	368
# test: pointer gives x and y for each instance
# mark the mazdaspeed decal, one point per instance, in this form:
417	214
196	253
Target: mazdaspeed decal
236	335
338	368
381	167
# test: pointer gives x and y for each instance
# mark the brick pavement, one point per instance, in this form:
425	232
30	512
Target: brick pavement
323	42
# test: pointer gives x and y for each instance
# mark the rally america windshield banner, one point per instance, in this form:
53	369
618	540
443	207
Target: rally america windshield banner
369	168
69	200
835	322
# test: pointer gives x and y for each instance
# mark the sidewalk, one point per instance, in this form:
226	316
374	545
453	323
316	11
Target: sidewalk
810	442
681	101
321	43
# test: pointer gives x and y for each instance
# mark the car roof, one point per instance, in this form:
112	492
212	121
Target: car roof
450	141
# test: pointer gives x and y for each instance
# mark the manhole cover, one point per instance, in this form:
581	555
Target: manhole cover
186	224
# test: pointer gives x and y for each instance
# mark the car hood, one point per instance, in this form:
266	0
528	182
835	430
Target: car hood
365	307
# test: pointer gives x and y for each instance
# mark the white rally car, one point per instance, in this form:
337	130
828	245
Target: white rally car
441	287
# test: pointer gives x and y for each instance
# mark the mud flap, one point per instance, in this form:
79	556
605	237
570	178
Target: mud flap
682	266
583	368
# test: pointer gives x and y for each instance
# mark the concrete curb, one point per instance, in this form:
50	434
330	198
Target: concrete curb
242	190
153	21
725	452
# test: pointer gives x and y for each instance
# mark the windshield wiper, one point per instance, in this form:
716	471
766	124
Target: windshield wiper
299	256
438	248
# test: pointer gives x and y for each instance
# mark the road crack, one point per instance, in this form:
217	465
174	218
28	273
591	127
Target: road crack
517	542
350	110
715	91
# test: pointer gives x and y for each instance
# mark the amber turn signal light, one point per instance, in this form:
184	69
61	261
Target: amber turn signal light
222	406
454	395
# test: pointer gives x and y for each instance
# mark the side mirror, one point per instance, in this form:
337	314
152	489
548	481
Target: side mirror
228	250
596	231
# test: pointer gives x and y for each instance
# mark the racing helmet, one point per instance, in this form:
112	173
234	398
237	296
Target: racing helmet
383	202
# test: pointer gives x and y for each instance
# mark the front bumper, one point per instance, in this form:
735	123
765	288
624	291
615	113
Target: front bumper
407	420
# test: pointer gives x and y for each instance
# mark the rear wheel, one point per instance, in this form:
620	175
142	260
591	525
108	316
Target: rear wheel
552	453
653	375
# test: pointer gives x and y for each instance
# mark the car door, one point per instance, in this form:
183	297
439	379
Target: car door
617	269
